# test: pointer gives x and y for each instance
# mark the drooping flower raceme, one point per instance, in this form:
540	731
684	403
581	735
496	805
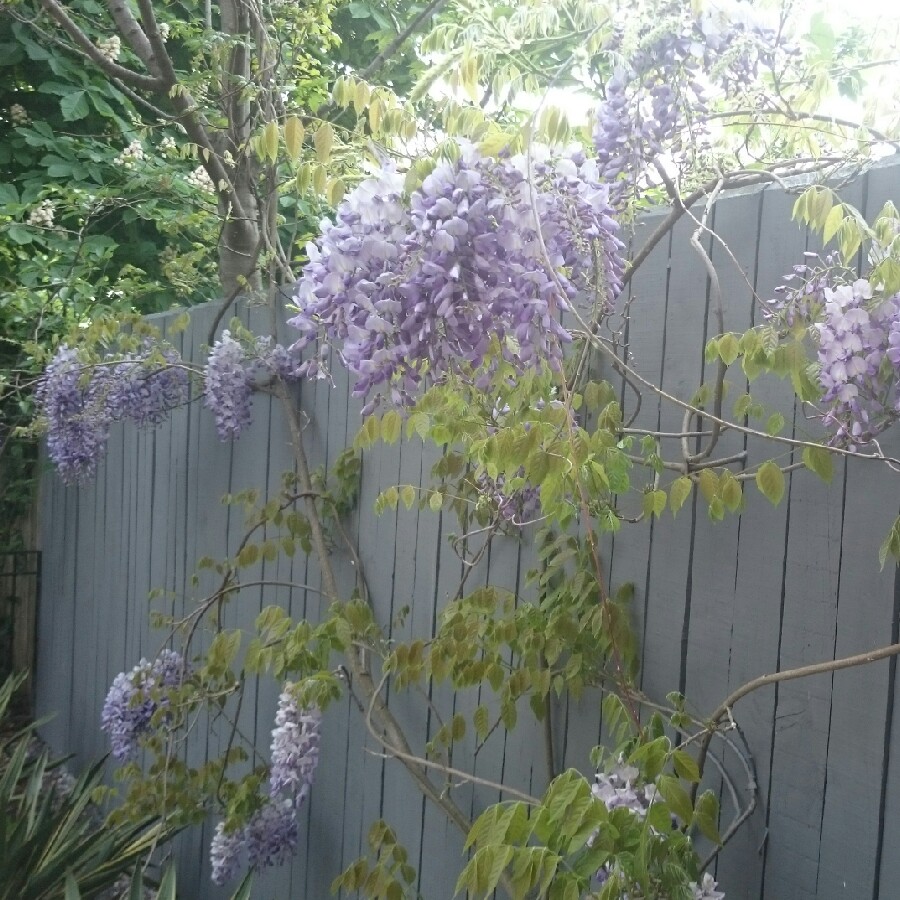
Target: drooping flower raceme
79	402
295	748
230	373
135	696
227	386
271	834
77	423
857	333
485	251
664	73
619	787
225	853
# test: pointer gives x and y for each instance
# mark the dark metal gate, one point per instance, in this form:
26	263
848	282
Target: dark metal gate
20	588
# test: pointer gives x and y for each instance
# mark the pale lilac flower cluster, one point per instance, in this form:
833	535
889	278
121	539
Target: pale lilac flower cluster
228	386
271	834
135	696
77	422
295	748
859	361
79	402
144	387
618	789
229	377
485	250
857	331
657	89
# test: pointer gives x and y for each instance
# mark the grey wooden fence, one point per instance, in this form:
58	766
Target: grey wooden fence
715	604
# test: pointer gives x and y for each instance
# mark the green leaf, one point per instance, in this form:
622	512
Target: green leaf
74	106
72	892
293	137
243	891
436	501
770	481
677	798
891	545
19	234
654	503
731	493
323	141
408	495
774	423
832	222
706	816
729	348
481	722
391	424
679	491
167	887
818	460
271	138
686	766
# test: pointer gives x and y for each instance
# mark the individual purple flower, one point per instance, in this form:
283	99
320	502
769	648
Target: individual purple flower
227	386
295	748
135	696
518	506
706	889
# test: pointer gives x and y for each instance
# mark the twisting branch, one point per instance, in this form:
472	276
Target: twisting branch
56	11
391	735
835	665
431	9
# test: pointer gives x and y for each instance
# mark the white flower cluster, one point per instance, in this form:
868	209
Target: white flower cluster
164	31
110	47
133	153
168	146
18	115
199	178
41	216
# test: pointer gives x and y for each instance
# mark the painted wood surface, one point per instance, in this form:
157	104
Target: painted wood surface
714	604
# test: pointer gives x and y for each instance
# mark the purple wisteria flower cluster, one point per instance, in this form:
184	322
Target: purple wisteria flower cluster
230	373
79	402
857	332
270	836
664	78
135	696
486	252
619	789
